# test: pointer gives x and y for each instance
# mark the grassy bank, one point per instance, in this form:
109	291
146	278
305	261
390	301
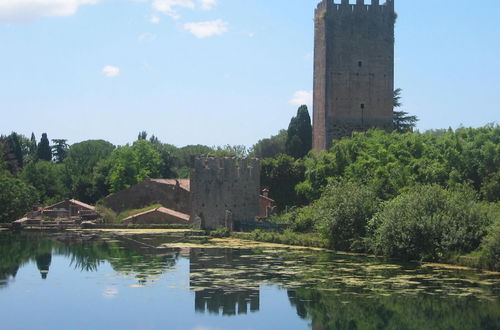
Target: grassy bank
286	237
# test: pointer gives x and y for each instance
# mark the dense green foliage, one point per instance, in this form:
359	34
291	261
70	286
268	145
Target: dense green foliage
133	164
389	162
430	222
415	195
281	175
44	151
299	134
47	178
80	169
402	121
270	147
16	197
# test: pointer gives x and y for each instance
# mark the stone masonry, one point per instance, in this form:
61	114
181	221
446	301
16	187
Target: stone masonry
353	69
224	190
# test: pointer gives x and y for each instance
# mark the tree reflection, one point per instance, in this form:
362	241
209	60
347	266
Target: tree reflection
18	249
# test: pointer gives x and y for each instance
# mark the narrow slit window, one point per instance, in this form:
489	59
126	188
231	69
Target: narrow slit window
360	64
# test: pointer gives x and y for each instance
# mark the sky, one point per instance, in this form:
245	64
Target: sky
219	72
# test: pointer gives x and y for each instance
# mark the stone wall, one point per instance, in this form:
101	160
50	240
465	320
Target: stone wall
224	190
353	69
165	192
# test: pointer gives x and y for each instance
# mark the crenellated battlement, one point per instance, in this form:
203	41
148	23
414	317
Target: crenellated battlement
233	165
332	6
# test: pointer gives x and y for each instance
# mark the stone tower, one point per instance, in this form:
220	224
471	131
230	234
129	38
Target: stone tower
353	69
224	190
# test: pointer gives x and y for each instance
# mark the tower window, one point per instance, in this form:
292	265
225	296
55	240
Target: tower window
362	106
360	64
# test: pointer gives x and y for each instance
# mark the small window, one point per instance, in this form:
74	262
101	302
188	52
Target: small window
360	64
362	106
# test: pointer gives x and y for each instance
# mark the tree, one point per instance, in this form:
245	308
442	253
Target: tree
44	151
32	148
299	134
281	175
143	135
60	150
132	164
46	178
79	168
16	198
402	122
270	147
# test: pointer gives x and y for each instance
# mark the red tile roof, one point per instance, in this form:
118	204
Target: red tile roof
164	210
183	183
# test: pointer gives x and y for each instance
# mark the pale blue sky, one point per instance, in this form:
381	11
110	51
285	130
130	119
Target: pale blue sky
88	69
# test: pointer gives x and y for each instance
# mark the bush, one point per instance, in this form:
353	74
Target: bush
490	247
220	232
342	214
429	222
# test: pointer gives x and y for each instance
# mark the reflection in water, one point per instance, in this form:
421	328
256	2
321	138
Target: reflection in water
43	261
18	249
220	282
332	291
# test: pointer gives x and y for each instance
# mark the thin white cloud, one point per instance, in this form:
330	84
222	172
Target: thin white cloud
16	11
154	19
169	7
208	4
302	97
111	71
207	29
147	37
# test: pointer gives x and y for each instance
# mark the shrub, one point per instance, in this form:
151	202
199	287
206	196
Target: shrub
429	222
490	246
220	232
342	214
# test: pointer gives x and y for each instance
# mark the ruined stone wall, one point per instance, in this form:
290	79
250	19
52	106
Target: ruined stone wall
353	69
147	193
224	190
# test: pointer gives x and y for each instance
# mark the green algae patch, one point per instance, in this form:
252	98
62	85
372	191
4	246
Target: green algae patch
143	231
232	243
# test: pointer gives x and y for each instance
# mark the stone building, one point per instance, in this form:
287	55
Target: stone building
224	190
353	69
172	194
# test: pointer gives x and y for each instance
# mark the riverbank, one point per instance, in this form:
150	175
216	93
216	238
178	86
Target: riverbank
312	240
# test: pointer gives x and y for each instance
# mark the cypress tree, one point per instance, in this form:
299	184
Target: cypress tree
44	151
299	139
32	148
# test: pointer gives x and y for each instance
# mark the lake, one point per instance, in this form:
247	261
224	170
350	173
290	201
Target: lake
107	280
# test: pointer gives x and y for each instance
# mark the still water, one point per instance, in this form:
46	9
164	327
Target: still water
109	281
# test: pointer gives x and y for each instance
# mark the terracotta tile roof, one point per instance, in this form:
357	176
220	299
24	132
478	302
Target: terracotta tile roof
82	204
164	210
184	183
72	201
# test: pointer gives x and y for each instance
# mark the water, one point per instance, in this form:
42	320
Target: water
87	281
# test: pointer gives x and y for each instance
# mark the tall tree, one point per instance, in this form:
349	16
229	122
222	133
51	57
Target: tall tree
15	146
60	150
32	148
44	151
299	134
80	165
402	121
